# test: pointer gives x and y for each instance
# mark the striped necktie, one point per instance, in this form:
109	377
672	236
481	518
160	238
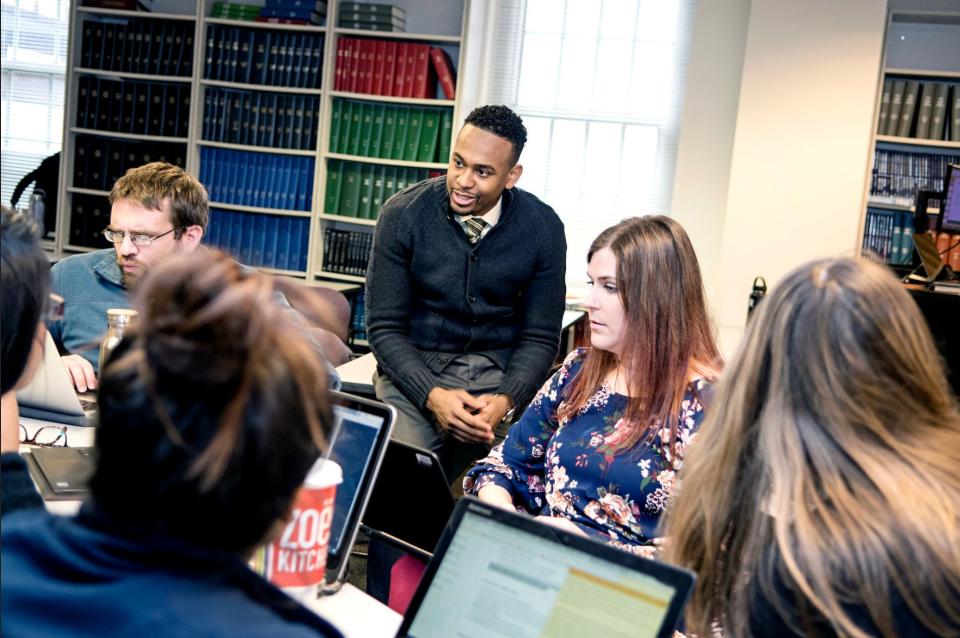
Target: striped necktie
474	226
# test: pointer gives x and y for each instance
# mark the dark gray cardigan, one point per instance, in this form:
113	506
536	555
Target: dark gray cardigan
432	296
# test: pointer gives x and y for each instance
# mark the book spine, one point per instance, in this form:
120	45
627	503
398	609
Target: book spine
443	66
925	110
896	101
907	108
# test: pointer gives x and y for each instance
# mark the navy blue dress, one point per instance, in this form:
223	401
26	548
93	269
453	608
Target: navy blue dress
572	468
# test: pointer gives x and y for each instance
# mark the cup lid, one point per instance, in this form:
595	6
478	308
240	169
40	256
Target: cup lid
324	473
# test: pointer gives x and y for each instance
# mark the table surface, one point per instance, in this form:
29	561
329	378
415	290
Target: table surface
351	610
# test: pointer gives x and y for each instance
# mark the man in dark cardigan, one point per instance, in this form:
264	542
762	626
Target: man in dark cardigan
465	294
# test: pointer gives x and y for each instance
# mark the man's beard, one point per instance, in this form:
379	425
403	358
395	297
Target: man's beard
129	281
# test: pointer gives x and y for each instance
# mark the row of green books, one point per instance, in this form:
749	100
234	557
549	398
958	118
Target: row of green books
235	11
359	190
388	131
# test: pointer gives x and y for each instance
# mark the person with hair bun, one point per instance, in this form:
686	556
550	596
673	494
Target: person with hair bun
823	496
598	449
212	410
25	277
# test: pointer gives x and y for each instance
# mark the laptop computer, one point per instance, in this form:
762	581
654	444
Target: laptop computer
61	473
51	395
362	429
499	573
414	525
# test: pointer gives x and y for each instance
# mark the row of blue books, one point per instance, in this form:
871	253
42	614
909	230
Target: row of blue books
265	180
888	236
260	56
293	11
125	106
100	161
255	118
152	47
262	241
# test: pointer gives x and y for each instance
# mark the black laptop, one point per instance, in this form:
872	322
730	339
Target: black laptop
499	573
62	473
361	431
412	524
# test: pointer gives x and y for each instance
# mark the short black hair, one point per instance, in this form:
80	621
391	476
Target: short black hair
25	278
502	122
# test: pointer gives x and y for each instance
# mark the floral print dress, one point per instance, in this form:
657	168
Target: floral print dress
571	468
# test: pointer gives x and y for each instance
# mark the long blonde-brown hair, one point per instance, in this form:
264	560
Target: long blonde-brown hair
830	461
667	328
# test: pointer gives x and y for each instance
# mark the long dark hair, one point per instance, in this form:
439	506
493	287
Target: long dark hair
667	328
212	410
25	278
829	461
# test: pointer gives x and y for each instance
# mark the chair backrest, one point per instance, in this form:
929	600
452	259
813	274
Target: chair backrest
327	315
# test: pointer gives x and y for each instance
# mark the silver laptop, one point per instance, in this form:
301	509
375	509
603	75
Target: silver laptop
496	573
51	395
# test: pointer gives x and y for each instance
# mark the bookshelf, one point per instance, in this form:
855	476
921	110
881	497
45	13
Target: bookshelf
916	130
255	111
129	92
388	123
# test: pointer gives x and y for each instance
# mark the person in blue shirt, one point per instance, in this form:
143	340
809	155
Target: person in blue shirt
598	449
157	211
212	410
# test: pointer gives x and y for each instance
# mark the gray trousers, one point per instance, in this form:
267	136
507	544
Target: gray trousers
473	372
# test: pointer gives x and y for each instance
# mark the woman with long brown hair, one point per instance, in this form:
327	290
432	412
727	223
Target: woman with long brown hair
823	496
598	448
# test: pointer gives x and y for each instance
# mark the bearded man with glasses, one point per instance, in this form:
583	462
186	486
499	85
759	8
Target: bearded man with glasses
157	210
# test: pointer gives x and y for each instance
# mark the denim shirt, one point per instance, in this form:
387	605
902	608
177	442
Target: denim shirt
90	284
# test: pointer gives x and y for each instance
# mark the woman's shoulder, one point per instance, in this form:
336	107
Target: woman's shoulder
575	356
571	365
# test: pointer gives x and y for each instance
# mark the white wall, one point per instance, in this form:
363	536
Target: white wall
801	144
705	149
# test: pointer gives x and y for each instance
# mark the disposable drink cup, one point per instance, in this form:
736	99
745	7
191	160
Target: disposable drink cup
297	560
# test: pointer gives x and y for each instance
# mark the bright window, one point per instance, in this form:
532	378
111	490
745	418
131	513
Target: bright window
34	59
600	88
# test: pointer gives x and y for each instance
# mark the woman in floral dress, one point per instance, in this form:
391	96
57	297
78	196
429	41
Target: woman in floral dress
598	448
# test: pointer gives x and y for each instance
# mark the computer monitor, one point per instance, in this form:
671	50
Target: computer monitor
950	202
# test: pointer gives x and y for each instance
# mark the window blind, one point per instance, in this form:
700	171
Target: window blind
600	88
34	55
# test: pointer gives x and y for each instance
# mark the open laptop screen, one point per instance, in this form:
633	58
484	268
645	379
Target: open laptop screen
361	432
504	575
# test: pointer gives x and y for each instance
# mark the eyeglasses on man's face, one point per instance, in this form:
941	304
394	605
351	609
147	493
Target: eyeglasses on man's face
46	436
53	311
138	239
